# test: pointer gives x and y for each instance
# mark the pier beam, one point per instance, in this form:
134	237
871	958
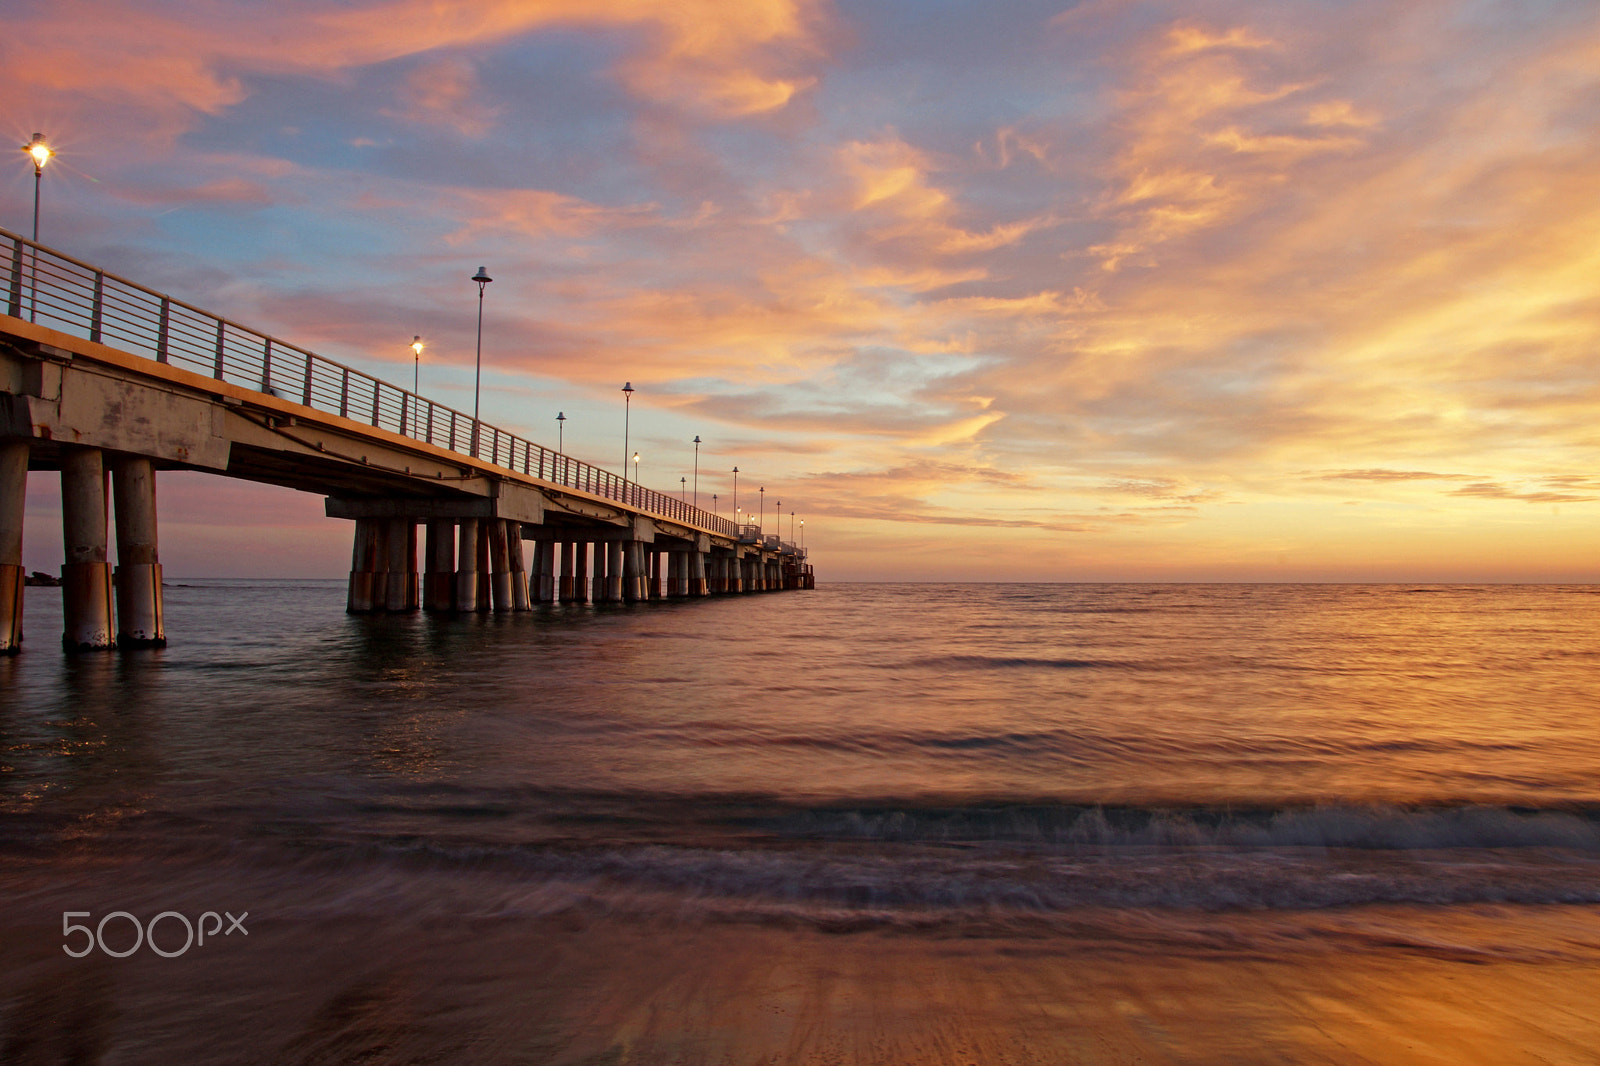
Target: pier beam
138	574
13	500
439	584
467	565
85	576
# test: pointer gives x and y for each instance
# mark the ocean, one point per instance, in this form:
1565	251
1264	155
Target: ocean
875	823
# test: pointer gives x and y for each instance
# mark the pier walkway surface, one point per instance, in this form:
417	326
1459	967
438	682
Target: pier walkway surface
101	375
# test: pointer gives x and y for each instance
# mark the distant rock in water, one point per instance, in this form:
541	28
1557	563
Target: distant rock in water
40	579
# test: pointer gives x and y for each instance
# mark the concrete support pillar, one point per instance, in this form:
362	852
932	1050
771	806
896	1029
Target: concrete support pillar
653	560
580	572
542	585
567	596
499	565
520	599
614	571
13	500
697	573
598	584
399	565
85	576
439	590
467	579
633	589
673	576
363	555
138	574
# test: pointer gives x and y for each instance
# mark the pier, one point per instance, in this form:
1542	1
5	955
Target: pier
104	380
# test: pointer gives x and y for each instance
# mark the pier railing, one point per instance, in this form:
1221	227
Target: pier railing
72	296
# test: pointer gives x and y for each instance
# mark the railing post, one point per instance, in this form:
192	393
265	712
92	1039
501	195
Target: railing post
305	395
266	366
217	369
95	314
377	388
452	430
161	334
14	302
429	437
344	394
405	397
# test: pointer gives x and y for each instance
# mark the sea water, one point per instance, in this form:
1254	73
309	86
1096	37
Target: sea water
1171	776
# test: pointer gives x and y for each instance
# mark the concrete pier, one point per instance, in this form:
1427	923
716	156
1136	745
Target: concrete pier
499	565
13	503
363	553
542	581
614	573
137	578
598	581
467	565
697	573
519	569
440	579
86	575
400	566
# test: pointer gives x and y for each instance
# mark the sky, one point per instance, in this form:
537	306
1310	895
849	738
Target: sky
1211	290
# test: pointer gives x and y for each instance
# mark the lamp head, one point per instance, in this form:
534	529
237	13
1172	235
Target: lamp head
627	387
416	346
39	151
697	438
561	416
482	277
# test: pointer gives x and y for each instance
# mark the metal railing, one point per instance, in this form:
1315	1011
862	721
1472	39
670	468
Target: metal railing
74	297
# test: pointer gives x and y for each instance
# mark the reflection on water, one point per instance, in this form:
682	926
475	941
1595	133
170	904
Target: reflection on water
1157	772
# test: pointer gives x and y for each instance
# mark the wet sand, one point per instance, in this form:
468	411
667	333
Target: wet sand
1402	985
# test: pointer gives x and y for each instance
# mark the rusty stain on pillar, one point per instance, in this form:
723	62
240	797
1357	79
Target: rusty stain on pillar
439	584
85	576
13	500
697	573
137	577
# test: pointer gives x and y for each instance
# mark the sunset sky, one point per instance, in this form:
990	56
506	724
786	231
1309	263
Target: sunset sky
1201	290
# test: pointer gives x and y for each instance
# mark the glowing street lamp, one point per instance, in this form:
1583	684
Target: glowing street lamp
40	152
482	278
561	427
416	363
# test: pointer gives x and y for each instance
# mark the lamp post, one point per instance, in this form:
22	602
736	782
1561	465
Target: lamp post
561	427
635	468
714	504
802	536
763	519
697	470
736	490
482	278
40	152
683	489
627	410
416	362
